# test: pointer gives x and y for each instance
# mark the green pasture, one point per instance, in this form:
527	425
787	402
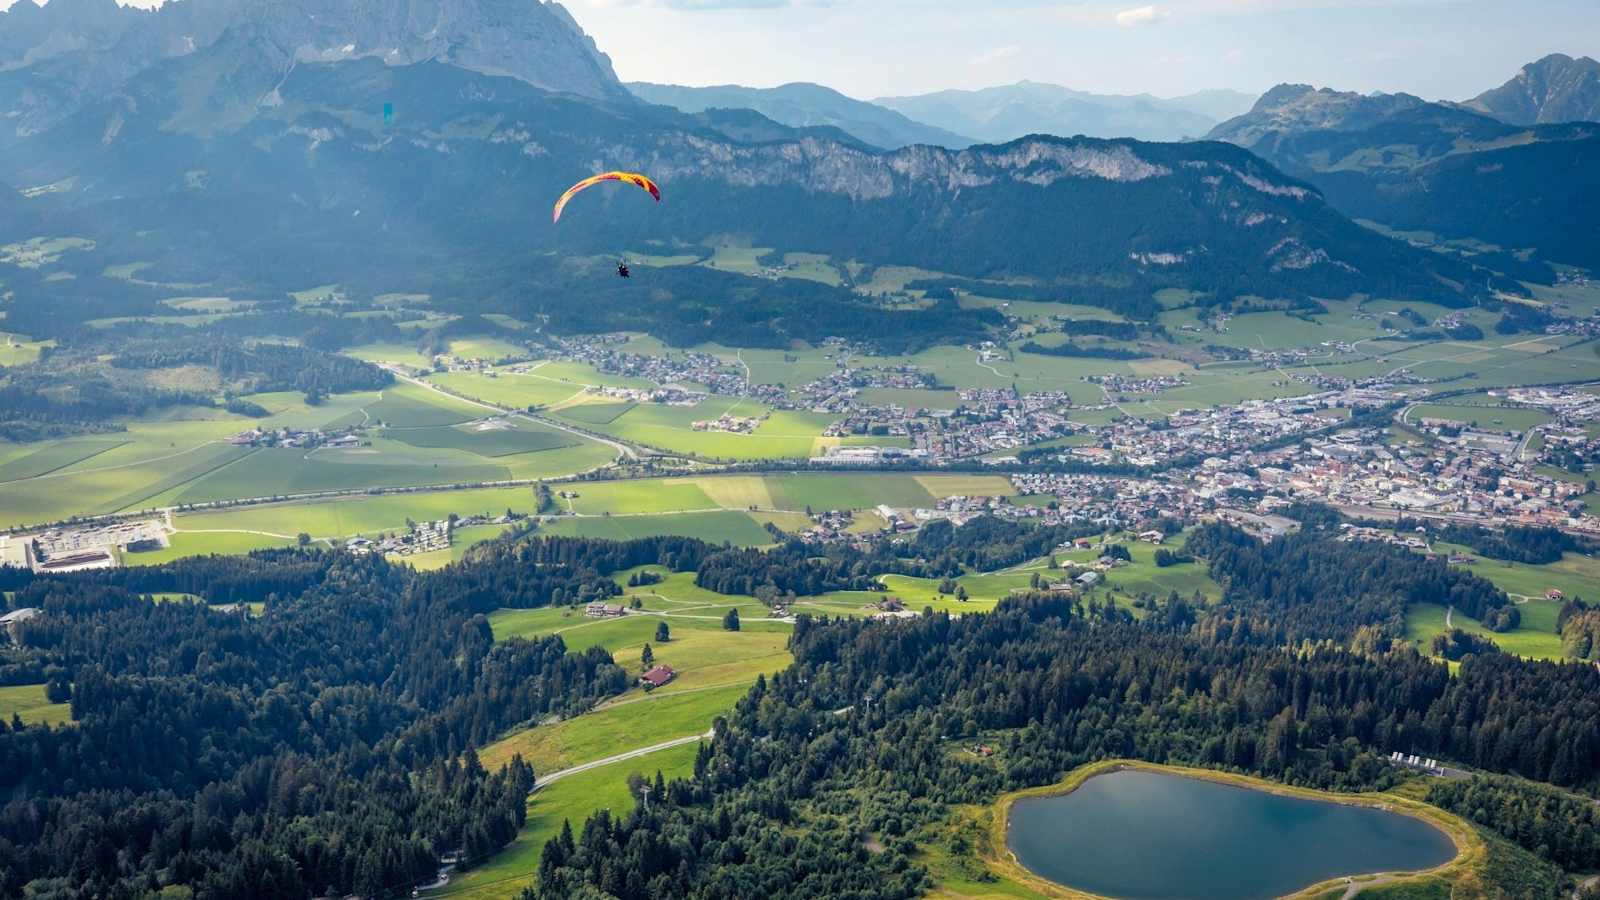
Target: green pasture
599	412
585	375
33	460
811	267
641	496
1535	638
507	389
399	354
28	702
207	543
571	800
507	439
909	398
1494	418
405	405
491	349
1574	575
743	260
783	434
350	516
15	349
716	527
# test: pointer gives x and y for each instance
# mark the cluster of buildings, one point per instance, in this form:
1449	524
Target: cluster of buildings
662	396
700	369
58	550
294	437
836	391
729	424
425	537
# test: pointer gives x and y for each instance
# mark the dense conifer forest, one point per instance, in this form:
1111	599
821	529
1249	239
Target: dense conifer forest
327	744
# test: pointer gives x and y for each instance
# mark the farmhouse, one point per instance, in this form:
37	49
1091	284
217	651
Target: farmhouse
16	617
657	677
598	610
1089	579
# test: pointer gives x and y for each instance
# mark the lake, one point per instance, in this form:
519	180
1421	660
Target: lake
1146	835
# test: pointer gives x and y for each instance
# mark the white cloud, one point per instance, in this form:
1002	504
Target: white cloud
1140	15
996	55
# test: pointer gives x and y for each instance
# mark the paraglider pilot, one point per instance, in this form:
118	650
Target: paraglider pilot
622	270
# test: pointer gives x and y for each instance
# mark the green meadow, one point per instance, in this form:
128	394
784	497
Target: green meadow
28	702
570	800
715	527
1536	637
183	456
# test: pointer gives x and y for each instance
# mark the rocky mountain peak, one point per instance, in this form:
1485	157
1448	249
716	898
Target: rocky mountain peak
536	41
1557	88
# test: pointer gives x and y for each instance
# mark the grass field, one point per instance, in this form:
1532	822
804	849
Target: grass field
508	389
1574	575
205	544
507	440
15	349
408	406
782	434
573	800
28	701
1535	638
1495	418
716	527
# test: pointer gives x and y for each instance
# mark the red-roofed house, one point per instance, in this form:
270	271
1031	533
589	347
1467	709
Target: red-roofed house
657	677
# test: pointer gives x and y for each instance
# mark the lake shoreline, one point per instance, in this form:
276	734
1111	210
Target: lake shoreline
1001	858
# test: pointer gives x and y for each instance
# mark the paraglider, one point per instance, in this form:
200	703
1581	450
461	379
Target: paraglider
622	270
633	178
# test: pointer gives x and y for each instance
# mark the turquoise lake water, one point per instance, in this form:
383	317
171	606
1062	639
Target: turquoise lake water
1152	836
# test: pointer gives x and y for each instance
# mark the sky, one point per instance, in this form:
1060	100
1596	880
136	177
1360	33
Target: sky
869	48
1439	49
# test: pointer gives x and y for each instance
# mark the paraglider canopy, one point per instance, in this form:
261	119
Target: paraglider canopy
633	178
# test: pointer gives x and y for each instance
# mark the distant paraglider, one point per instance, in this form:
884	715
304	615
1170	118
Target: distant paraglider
633	178
622	270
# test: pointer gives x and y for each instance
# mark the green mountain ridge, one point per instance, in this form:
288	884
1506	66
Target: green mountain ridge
1416	165
803	105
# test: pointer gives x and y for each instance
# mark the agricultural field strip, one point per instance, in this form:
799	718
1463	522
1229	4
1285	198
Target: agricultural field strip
621	448
57	473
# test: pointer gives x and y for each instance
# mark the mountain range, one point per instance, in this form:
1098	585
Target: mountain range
56	58
258	161
1439	168
804	105
1004	113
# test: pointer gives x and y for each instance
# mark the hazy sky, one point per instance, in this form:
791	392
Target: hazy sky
868	48
1450	49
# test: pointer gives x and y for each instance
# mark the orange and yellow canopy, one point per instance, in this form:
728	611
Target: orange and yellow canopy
633	178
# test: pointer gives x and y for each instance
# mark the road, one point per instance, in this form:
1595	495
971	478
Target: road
552	777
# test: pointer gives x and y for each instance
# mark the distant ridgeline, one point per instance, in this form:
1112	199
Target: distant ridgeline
195	195
351	703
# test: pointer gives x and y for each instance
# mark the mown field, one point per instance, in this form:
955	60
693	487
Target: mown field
182	456
715	668
28	702
1535	638
571	800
